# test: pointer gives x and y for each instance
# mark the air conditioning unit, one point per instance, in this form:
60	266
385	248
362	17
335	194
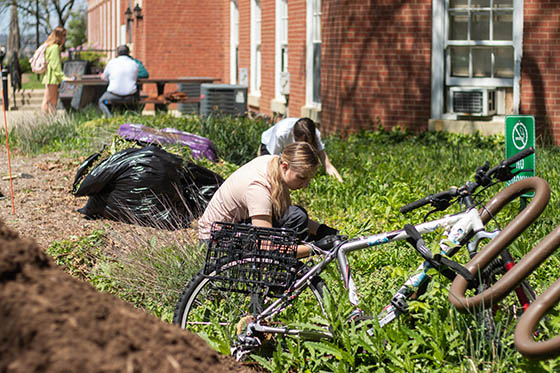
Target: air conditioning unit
192	90
472	101
229	99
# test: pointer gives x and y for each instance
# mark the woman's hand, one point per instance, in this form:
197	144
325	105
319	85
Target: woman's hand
333	172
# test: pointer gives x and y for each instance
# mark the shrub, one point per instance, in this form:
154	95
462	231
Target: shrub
24	65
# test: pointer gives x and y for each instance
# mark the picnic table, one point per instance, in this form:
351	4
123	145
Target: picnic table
160	102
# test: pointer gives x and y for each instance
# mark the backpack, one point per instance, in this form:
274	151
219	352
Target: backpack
38	61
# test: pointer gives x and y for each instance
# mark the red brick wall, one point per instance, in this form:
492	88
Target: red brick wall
375	64
183	38
375	56
540	67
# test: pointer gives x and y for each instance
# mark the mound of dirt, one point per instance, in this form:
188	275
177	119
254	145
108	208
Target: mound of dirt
51	322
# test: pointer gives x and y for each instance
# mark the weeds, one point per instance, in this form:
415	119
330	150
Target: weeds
383	170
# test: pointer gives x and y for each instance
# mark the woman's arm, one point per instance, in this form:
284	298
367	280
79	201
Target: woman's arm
331	170
265	221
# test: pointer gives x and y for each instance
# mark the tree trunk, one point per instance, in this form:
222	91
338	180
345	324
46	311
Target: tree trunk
14	43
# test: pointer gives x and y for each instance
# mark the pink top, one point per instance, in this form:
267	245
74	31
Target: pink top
244	194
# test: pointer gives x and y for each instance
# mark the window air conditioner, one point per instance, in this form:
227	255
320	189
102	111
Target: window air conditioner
472	101
226	99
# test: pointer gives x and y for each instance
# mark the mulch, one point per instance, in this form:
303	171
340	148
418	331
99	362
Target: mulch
52	322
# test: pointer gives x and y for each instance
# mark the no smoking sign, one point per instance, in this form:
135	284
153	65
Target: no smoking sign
520	135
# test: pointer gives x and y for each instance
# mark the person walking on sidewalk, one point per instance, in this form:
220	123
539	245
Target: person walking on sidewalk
54	74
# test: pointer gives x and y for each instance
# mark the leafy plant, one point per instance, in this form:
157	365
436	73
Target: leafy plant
24	65
383	170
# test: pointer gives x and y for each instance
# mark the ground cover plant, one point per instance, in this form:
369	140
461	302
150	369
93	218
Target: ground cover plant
383	170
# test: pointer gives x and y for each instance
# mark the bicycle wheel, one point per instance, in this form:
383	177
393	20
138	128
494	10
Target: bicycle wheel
220	315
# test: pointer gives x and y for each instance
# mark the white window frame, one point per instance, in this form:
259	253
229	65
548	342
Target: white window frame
234	42
255	79
312	17
281	44
441	78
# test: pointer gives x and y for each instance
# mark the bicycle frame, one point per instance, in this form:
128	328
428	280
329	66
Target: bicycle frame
461	225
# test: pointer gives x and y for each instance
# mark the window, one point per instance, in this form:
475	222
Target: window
255	47
480	41
234	42
314	52
281	44
476	44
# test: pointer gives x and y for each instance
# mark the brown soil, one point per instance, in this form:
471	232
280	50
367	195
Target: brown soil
52	322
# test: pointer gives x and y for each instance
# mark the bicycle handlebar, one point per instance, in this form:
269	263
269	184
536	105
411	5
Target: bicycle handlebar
439	199
519	156
502	172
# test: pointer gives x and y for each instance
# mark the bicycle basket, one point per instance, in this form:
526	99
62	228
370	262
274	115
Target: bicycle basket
248	259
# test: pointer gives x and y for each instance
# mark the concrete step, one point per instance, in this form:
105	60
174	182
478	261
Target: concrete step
28	99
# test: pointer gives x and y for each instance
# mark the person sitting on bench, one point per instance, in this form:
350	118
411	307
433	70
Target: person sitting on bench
121	72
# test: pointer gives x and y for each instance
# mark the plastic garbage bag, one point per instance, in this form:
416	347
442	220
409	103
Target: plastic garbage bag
200	146
146	186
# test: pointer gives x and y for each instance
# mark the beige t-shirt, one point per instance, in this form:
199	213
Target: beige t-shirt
244	194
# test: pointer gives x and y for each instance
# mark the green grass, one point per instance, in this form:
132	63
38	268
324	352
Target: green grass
33	82
383	170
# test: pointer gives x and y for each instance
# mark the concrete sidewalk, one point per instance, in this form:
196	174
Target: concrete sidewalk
15	117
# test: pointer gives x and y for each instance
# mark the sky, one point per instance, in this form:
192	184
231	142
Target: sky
5	18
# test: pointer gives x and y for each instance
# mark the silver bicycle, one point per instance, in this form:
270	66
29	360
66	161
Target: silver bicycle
251	280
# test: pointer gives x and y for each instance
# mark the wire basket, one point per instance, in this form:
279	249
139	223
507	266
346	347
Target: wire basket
248	259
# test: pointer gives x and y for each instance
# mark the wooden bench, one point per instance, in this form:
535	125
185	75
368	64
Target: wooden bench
161	105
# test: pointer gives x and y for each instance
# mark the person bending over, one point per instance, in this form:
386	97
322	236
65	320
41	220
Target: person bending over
121	72
288	130
259	193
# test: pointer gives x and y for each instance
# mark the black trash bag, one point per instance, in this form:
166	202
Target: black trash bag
146	186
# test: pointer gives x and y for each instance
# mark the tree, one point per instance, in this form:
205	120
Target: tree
45	12
77	29
14	42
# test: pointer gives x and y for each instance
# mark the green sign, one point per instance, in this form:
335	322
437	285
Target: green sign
520	135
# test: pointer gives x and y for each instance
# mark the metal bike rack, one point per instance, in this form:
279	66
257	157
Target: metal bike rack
526	265
524	332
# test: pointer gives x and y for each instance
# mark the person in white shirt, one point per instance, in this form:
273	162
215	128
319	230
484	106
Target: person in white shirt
289	130
121	72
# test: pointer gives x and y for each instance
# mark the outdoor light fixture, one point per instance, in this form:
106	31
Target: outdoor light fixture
129	20
128	15
138	12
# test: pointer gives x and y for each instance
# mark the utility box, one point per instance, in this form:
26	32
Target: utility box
223	99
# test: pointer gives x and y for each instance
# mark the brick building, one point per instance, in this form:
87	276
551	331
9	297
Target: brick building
356	64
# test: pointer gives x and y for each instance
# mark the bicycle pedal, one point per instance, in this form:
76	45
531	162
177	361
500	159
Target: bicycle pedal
400	304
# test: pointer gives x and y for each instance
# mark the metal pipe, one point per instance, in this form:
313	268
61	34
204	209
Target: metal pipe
511	279
527	324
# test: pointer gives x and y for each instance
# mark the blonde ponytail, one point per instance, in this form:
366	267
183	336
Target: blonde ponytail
279	194
302	158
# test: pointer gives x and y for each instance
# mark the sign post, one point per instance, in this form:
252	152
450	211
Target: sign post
520	135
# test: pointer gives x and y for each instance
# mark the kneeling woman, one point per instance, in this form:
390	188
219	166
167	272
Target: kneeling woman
259	193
